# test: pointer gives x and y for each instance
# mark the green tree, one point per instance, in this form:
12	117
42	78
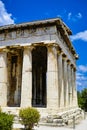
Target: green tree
82	99
79	98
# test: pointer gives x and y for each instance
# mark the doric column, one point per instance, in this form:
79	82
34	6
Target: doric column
65	81
60	79
74	88
69	81
71	85
26	90
3	79
52	78
72	82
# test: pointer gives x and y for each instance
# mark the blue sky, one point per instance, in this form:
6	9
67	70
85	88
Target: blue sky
72	12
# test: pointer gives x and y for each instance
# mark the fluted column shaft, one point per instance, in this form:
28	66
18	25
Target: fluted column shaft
60	80
3	79
26	92
69	81
65	82
75	89
72	84
52	78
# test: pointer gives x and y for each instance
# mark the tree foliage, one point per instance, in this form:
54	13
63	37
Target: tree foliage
6	121
82	99
29	116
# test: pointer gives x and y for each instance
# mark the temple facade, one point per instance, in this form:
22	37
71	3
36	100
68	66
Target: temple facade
38	67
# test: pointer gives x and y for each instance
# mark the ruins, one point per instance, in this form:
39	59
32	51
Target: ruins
38	67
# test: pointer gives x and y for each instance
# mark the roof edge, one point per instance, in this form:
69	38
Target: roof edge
36	23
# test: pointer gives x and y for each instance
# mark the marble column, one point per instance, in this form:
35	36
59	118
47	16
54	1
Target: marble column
74	89
69	81
26	90
65	82
60	79
3	79
52	78
72	83
71	87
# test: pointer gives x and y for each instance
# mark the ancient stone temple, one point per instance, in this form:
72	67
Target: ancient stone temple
38	67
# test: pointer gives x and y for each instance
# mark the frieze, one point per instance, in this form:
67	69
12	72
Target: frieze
27	32
69	49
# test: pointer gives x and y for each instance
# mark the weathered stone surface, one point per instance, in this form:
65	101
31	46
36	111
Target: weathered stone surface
63	118
52	74
26	93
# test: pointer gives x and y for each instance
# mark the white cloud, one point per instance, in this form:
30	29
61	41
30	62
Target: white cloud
5	17
78	83
69	15
82	68
79	74
74	17
79	15
81	77
81	82
80	36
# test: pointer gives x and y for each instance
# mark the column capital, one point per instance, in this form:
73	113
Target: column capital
51	45
64	56
59	51
68	61
73	67
3	49
29	47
